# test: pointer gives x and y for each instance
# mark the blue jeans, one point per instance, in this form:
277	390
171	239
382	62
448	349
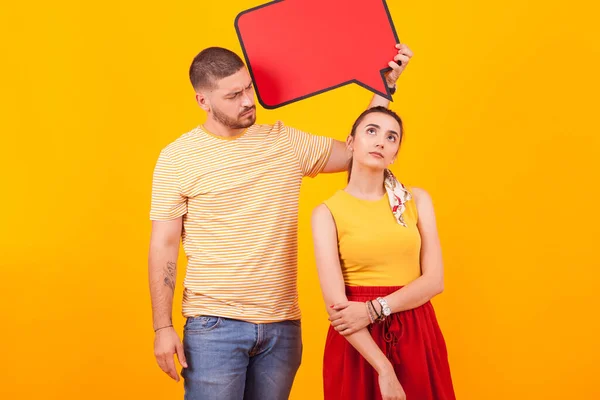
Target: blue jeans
234	360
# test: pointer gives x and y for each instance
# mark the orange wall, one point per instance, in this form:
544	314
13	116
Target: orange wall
501	107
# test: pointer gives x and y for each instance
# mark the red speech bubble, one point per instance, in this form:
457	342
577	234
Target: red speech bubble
295	49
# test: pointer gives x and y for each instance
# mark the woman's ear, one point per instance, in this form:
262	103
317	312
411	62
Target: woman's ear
349	142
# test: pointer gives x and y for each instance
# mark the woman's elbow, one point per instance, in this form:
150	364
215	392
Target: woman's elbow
437	285
440	287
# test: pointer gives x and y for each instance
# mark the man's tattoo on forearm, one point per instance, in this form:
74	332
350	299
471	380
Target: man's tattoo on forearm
170	272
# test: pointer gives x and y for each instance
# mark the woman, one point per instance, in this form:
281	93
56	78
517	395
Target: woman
379	262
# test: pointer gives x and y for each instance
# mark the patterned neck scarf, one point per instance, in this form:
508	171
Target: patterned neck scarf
398	195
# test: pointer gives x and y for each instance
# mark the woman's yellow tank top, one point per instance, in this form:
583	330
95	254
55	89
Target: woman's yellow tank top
375	250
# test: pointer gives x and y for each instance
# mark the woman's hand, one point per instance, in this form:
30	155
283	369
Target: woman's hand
390	387
350	317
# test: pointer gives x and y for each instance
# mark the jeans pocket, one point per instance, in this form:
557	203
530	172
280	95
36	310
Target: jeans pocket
201	324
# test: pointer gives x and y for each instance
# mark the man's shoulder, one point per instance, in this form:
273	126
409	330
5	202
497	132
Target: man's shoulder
278	127
182	144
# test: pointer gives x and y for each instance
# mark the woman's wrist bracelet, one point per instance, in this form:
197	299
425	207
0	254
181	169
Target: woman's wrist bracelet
380	316
369	312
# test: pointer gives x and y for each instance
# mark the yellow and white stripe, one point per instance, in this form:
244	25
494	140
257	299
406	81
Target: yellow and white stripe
239	202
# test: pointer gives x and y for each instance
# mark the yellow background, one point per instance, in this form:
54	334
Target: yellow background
501	110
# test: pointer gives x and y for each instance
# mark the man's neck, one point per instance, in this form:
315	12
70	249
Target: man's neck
217	128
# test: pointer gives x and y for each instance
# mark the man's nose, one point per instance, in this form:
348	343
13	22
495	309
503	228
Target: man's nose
246	99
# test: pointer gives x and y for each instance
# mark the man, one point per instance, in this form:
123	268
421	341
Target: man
230	190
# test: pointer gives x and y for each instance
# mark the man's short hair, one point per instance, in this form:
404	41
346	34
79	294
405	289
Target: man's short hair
212	64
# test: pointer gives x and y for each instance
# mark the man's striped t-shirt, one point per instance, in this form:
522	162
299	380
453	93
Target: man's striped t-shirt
239	201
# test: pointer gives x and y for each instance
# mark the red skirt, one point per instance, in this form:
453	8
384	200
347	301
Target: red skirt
411	340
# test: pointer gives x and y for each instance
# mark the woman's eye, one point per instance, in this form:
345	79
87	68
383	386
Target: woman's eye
392	138
371	131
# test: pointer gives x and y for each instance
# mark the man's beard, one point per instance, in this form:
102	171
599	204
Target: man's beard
234	123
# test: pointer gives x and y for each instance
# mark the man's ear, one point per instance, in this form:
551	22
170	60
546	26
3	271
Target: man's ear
202	100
